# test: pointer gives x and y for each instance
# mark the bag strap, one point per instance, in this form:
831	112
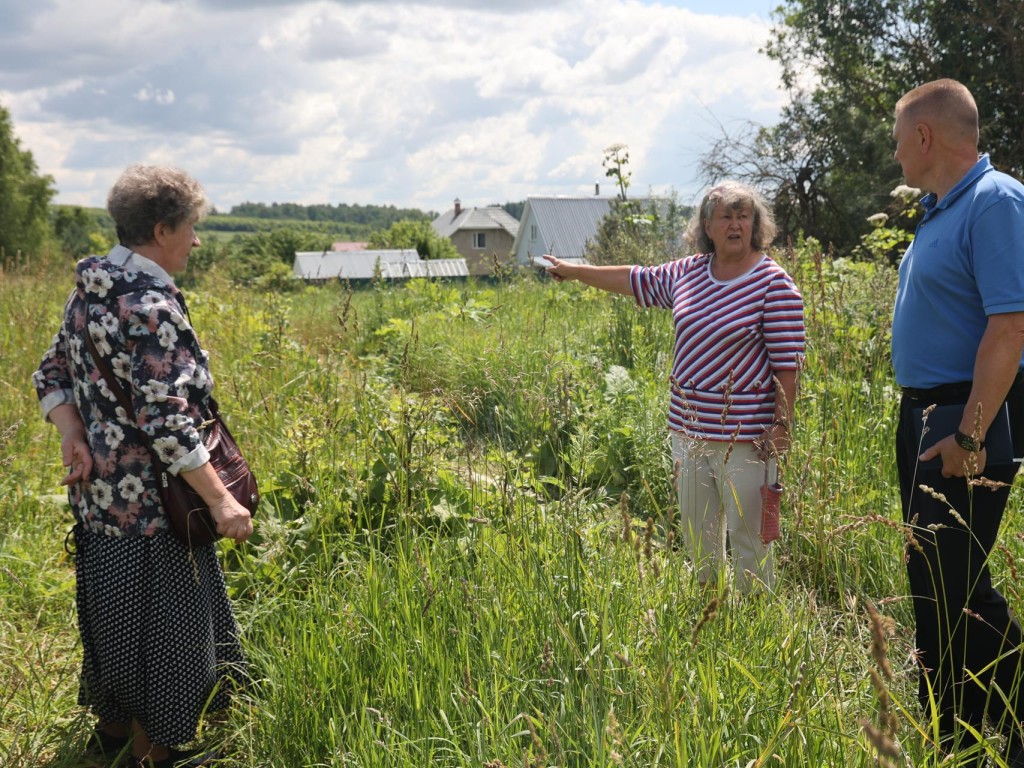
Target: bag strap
104	368
122	397
108	375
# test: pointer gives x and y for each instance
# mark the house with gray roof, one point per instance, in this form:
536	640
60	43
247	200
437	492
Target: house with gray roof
481	235
563	226
391	264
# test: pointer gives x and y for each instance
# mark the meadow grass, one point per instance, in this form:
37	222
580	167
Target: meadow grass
457	561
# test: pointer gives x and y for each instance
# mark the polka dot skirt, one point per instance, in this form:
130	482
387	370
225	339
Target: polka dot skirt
159	640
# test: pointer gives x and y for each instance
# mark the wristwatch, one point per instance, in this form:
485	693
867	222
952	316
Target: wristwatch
968	442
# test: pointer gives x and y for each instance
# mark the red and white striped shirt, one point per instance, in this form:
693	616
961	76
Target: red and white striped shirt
731	337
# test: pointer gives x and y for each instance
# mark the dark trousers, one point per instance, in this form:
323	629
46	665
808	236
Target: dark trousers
963	622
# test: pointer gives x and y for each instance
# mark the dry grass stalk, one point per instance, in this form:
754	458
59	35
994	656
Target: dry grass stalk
541	756
882	742
797	685
911	539
627	520
906	530
732	444
984	482
942	497
709	613
613	731
547	663
467	685
727	392
886	717
879	645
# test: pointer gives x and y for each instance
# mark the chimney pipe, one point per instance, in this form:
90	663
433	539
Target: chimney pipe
458	206
597	189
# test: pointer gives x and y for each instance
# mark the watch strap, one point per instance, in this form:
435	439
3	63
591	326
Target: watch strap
968	442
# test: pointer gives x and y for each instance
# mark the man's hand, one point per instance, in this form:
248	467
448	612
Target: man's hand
956	462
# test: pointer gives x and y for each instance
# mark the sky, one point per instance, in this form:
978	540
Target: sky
384	102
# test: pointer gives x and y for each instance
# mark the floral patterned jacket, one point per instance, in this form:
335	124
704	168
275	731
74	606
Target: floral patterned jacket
136	318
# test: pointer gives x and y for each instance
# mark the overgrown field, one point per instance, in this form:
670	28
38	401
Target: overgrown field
457	562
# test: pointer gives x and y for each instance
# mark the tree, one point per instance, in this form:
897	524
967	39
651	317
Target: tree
24	198
636	232
415	234
828	164
81	233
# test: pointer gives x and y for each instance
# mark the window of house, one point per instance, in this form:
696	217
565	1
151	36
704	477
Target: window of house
479	240
533	231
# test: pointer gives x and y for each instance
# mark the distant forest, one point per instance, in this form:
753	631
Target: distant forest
373	216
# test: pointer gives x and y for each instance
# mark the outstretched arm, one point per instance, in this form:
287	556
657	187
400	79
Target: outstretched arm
614	279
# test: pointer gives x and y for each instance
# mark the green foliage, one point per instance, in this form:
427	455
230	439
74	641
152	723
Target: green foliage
893	231
515	210
282	243
371	216
24	199
634	231
415	234
828	163
446	571
977	42
81	231
225	226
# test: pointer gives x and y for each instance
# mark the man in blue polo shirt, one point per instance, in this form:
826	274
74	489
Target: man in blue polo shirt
958	339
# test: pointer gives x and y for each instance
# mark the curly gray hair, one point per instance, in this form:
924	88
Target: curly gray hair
731	194
147	195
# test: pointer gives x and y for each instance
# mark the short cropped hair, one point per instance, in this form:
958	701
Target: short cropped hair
147	195
731	194
947	100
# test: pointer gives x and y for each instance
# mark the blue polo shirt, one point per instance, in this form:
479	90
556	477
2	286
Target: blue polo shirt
966	262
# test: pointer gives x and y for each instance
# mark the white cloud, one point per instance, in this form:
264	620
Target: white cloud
157	95
411	104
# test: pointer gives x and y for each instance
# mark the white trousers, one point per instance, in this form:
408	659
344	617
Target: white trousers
719	489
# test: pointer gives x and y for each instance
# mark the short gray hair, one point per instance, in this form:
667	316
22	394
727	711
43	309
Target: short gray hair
147	195
731	194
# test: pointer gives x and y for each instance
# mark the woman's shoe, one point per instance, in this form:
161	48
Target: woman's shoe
176	759
103	744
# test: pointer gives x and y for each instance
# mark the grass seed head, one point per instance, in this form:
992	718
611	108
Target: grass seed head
882	742
879	645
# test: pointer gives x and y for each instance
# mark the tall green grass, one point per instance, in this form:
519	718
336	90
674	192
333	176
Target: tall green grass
457	563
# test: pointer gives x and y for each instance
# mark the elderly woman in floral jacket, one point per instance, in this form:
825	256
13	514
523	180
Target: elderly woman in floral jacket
158	634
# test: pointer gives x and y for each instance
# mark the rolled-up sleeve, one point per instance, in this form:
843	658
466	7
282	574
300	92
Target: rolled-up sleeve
52	379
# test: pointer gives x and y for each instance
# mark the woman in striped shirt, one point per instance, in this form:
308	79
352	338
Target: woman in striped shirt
739	342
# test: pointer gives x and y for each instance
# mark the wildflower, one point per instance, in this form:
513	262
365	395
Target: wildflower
905	193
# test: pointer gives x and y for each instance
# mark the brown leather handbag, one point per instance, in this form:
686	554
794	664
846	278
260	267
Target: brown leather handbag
187	513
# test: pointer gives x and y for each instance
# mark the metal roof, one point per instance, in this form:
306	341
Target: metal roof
492	217
566	224
364	265
426	268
